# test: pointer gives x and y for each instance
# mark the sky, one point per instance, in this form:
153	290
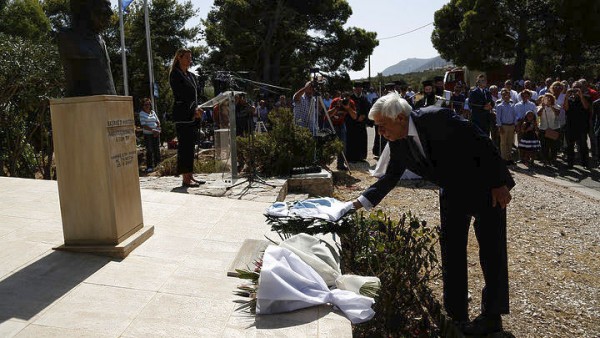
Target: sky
387	18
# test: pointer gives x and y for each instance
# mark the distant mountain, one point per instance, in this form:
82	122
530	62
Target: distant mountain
415	65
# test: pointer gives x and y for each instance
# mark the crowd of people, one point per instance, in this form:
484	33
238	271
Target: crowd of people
526	121
564	114
347	111
448	137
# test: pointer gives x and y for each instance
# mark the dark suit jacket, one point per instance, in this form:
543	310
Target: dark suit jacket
459	157
596	117
186	93
478	99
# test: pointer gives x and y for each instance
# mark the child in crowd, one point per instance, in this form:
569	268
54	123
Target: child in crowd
529	143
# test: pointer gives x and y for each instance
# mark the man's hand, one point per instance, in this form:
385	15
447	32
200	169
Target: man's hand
501	196
357	205
488	106
198	113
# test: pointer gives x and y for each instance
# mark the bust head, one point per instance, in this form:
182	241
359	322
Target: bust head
83	52
91	14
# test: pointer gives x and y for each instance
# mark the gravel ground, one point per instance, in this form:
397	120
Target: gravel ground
553	251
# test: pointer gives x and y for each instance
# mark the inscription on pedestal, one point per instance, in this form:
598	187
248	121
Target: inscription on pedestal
121	136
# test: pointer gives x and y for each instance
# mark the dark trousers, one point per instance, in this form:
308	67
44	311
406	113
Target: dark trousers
549	147
481	118
490	230
340	131
581	139
379	142
152	150
186	137
242	125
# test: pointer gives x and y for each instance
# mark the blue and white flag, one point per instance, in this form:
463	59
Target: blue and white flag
125	4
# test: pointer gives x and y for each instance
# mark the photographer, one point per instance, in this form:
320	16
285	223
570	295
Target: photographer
340	108
577	108
302	108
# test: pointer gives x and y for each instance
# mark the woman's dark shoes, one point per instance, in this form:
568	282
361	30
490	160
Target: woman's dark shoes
198	181
482	325
190	185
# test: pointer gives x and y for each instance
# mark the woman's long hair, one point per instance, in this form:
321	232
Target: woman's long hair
178	54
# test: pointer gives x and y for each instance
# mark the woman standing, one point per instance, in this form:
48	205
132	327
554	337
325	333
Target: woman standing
549	127
186	92
151	129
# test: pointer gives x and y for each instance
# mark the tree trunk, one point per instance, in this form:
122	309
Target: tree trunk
267	44
266	63
520	49
276	67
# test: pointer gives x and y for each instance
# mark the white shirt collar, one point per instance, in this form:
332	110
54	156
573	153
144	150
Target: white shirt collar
412	130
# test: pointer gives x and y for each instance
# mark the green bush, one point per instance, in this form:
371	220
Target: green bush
26	84
168	167
401	253
284	147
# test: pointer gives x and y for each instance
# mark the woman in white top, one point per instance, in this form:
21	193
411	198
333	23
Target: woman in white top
557	89
151	128
549	113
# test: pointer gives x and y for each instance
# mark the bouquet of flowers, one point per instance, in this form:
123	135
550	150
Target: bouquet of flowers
310	216
299	273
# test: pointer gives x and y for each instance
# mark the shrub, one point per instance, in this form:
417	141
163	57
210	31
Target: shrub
168	167
284	147
401	253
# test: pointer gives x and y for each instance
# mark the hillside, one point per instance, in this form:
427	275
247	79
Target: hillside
414	65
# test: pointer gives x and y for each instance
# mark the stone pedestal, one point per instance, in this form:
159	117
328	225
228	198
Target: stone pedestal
98	182
315	184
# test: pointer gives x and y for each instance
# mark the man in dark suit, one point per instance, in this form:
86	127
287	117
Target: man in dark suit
481	104
451	152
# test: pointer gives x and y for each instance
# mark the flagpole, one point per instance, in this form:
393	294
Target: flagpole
123	56
149	49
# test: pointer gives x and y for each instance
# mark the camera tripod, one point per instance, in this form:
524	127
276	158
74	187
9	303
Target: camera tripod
251	178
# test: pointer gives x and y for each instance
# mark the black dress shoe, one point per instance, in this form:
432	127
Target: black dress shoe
198	181
190	185
482	325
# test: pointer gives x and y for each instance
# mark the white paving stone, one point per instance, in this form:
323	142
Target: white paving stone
173	285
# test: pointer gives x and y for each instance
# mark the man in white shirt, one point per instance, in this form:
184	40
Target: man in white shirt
534	95
514	96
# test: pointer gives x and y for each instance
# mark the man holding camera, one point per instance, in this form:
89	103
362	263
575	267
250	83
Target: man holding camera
302	108
341	107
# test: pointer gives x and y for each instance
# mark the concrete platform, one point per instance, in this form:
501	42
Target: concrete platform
173	285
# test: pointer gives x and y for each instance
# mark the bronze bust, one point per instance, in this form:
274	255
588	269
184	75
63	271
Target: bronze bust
82	50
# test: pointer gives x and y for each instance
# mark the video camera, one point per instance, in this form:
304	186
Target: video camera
318	82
